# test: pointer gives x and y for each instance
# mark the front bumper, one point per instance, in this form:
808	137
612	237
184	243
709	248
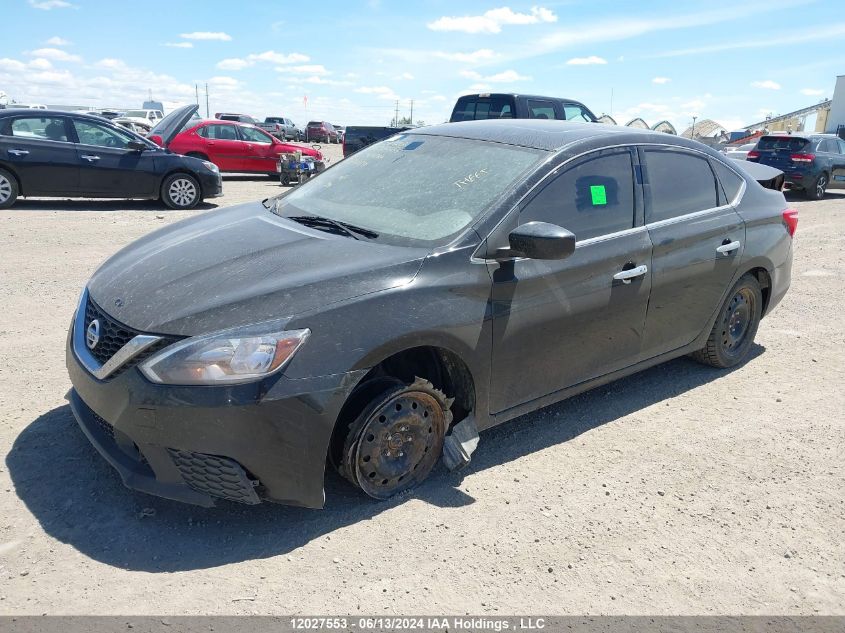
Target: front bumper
211	184
261	441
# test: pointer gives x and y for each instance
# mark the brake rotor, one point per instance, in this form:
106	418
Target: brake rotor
400	439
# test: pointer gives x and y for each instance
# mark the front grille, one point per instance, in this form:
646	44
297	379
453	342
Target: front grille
217	476
114	335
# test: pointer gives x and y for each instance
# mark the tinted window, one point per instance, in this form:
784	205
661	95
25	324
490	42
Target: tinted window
841	146
731	181
540	109
681	183
254	135
574	112
473	108
828	145
593	198
791	143
49	128
219	132
95	134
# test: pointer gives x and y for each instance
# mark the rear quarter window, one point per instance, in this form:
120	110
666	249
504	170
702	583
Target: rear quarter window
731	181
680	183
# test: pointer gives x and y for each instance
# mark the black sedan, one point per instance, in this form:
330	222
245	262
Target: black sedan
434	284
54	153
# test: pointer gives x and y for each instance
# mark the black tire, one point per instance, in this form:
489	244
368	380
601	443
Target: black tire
181	191
817	189
736	325
8	189
397	438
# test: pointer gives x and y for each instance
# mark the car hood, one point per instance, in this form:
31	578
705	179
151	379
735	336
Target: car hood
239	266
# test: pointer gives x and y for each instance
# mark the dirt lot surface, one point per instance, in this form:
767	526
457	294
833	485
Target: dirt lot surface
682	490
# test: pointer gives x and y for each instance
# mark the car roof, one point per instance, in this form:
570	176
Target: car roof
551	134
46	113
487	95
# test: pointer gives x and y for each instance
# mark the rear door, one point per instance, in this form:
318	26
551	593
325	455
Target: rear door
107	167
39	150
698	242
223	146
557	323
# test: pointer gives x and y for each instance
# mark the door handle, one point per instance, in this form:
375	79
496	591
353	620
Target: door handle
626	276
90	158
728	248
18	152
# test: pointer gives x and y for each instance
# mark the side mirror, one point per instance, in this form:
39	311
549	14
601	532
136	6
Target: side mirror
539	240
137	146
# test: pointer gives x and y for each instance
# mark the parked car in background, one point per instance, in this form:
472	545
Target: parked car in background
232	146
57	153
321	132
517	106
811	163
435	284
341	132
741	152
280	127
240	118
29	106
147	117
106	114
357	137
132	124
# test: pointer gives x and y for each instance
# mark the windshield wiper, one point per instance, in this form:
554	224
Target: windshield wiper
345	228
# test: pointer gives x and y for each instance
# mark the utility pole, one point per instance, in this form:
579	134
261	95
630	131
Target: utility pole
207	111
412	111
611	103
197	91
692	134
396	115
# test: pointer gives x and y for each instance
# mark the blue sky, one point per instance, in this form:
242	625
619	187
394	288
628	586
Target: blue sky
730	61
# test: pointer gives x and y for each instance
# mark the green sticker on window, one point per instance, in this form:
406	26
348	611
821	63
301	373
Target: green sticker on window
598	194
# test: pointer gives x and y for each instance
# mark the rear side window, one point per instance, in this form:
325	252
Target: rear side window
219	132
791	143
538	109
47	128
593	198
476	108
730	180
828	145
680	183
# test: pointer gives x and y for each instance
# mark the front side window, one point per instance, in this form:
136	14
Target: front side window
574	112
540	109
47	128
94	134
593	198
405	191
680	183
254	135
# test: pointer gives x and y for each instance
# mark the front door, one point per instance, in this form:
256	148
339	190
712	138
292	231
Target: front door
559	323
258	145
38	149
698	243
108	168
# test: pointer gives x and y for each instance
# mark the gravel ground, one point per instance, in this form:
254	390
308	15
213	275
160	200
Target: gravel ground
681	490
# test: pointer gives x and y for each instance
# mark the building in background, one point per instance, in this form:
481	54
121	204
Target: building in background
835	123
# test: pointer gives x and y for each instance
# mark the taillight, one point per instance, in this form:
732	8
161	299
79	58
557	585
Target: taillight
753	154
803	158
790	218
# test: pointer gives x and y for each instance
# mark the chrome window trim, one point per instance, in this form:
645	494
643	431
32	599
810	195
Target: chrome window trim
126	353
687	216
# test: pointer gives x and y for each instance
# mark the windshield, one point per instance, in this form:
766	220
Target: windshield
413	188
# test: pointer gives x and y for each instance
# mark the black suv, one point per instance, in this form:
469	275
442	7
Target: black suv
810	162
515	106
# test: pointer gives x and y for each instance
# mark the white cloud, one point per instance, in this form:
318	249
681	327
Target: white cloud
235	63
111	64
660	80
382	92
207	35
586	61
507	76
482	54
57	41
767	84
407	76
812	92
40	64
305	69
179	44
224	82
56	54
492	21
47	5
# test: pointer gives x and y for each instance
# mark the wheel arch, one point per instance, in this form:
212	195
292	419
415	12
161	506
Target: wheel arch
8	168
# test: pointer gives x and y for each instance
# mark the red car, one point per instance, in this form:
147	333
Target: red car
232	146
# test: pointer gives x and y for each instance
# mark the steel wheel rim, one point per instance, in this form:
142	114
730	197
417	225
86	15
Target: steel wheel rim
183	192
820	185
736	322
5	189
400	443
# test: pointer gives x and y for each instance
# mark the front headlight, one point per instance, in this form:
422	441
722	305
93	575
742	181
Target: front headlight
211	166
228	357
